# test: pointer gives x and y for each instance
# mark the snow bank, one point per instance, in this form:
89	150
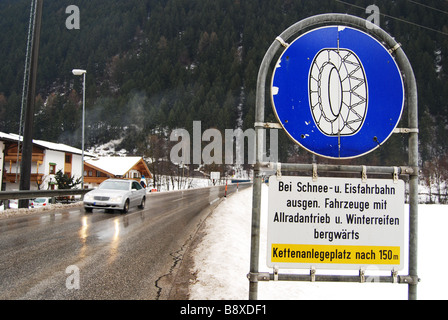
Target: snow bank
8	213
222	260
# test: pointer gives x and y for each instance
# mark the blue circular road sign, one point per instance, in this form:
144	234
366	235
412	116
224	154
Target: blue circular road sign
337	92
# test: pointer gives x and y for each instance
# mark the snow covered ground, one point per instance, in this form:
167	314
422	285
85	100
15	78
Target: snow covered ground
222	260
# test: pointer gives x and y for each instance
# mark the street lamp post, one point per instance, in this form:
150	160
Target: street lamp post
80	72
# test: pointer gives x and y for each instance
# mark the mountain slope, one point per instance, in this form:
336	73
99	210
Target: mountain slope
156	65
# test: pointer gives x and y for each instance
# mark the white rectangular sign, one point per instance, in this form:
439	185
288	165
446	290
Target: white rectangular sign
335	223
215	175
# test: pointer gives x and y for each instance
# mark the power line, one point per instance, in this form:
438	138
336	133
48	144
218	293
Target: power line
395	18
426	6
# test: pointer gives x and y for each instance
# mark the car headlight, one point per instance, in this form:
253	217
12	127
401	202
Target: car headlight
88	197
116	199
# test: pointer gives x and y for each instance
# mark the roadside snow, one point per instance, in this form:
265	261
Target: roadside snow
8	213
222	260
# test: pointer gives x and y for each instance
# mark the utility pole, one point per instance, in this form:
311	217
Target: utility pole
27	149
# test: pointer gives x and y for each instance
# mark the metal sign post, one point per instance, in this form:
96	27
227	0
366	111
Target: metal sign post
332	102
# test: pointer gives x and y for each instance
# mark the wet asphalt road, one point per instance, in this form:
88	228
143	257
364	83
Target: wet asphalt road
69	254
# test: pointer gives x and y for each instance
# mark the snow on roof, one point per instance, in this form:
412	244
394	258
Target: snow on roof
46	144
60	147
8	136
118	166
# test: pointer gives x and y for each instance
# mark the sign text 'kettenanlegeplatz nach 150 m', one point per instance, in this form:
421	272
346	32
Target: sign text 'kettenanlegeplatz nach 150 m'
335	223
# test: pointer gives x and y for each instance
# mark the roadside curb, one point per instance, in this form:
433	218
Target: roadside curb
184	276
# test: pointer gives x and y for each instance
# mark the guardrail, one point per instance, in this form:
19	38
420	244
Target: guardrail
31	194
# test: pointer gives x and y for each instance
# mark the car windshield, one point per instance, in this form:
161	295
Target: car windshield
40	200
114	185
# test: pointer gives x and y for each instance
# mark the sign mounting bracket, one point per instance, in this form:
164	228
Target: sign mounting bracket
406	130
364	174
282	42
315	172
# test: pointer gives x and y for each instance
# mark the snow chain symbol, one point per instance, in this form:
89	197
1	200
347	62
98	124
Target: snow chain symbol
338	92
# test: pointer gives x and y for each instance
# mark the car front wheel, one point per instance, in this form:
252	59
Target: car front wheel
126	206
142	204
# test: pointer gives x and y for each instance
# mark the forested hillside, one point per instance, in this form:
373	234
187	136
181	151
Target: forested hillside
154	65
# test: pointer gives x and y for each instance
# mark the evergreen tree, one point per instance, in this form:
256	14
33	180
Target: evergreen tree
64	181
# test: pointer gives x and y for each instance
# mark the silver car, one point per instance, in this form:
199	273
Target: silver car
116	194
40	202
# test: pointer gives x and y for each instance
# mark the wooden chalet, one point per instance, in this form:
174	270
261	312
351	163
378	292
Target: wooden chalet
47	159
97	170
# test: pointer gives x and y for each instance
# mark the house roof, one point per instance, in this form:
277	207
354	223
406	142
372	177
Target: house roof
6	136
117	166
45	144
61	147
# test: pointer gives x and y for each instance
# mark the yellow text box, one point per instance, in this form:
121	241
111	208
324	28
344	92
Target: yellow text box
296	253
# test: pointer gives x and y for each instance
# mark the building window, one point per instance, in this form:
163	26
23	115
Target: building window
52	168
68	158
